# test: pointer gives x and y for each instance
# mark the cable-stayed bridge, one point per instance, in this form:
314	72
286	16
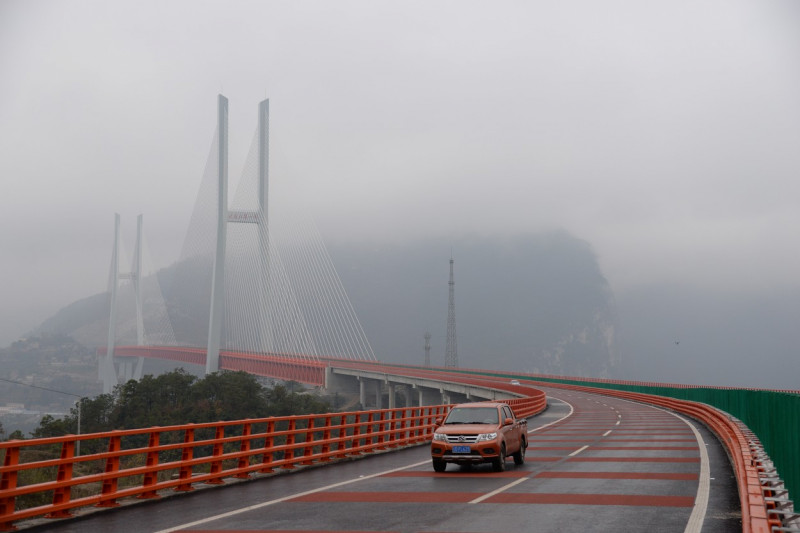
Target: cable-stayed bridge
263	279
603	455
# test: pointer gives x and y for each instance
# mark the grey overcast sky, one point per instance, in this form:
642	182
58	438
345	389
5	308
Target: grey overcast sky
665	133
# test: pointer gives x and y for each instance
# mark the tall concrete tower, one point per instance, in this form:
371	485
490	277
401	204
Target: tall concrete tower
225	216
108	371
218	276
427	348
451	349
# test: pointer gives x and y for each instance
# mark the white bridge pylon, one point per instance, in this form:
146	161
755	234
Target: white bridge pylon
224	216
272	287
108	371
137	311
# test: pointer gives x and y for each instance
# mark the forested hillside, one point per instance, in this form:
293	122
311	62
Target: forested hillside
177	397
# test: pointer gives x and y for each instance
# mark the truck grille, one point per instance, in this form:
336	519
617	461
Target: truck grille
462	439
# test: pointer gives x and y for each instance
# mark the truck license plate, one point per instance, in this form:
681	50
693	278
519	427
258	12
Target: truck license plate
461	449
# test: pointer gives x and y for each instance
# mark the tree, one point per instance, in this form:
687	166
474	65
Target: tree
53	427
177	398
229	396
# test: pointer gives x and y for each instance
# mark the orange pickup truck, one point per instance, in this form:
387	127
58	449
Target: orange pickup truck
484	432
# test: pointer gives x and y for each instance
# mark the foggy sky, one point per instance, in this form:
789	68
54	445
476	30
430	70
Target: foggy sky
667	134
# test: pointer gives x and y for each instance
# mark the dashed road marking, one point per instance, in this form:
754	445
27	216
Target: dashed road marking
498	491
579	450
279	500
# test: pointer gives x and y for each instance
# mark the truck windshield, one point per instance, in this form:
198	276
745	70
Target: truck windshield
472	415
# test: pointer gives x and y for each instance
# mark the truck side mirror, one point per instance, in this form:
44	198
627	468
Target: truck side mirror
508	421
438	421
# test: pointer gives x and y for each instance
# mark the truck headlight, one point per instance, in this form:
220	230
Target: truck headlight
487	436
440	437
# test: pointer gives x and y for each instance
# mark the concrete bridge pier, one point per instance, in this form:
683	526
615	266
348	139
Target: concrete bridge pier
386	388
408	397
428	396
445	396
378	394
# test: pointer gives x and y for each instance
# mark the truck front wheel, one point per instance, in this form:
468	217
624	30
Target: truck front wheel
499	464
439	465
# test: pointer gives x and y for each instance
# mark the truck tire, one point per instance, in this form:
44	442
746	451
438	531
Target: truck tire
519	456
499	464
439	465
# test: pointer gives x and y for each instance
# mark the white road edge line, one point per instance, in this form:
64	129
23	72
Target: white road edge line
479	499
571	410
579	450
279	500
695	523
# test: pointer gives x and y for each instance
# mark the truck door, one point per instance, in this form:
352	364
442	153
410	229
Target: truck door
511	432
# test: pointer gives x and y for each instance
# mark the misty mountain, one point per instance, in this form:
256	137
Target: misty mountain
535	302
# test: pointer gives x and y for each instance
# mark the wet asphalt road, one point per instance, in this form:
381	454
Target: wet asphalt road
594	463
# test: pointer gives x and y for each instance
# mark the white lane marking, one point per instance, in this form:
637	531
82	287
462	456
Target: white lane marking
618	421
571	410
579	450
695	523
607	432
279	500
479	499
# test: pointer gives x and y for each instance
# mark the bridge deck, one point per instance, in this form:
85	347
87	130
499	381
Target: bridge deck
610	465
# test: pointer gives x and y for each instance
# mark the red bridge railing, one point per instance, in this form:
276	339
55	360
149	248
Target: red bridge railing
278	366
129	467
141	462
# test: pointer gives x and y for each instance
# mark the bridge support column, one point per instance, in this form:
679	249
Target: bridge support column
378	395
362	392
340	383
126	369
218	276
107	371
392	392
445	397
428	396
408	397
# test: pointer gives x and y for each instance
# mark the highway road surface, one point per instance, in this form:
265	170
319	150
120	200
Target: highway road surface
594	463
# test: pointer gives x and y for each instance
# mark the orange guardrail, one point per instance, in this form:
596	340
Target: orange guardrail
292	367
141	462
178	457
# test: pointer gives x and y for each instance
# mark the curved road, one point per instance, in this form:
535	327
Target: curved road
594	463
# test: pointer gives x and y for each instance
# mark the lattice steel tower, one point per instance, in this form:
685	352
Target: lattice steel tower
451	349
